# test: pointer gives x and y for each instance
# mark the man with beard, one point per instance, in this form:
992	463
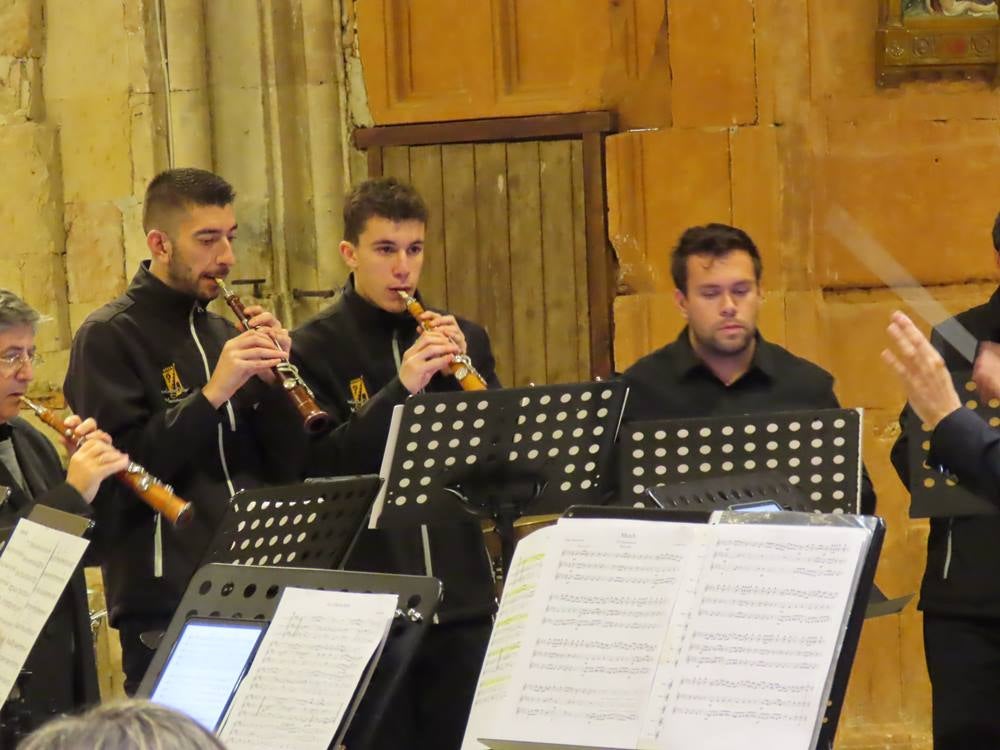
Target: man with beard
720	365
186	395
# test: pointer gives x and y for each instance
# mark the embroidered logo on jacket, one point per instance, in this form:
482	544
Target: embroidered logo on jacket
359	393
173	388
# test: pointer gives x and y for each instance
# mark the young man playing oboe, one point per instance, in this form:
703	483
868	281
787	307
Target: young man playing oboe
363	355
60	674
187	395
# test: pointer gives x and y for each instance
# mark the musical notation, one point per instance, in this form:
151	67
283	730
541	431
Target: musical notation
308	666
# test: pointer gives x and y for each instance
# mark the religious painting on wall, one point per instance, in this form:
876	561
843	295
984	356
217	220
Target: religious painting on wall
936	39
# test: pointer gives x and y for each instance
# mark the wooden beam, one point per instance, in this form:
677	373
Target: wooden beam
374	162
495	129
600	262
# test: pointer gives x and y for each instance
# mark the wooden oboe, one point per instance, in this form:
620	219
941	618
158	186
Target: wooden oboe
315	419
156	494
461	366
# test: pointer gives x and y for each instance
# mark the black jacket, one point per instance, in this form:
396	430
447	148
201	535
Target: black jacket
137	365
347	357
673	383
61	673
963	553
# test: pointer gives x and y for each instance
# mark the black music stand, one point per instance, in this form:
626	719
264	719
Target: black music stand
817	451
933	491
862	594
241	592
313	524
502	454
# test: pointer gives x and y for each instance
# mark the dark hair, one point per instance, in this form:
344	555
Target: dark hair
996	234
716	240
384	196
129	725
177	189
14	311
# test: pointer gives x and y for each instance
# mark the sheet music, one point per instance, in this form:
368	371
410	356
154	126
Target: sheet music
508	634
307	668
752	647
598	624
35	567
387	454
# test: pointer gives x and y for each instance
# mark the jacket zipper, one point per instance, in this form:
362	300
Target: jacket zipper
947	554
229	407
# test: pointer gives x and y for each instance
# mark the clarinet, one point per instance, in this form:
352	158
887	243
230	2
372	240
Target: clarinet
156	494
461	366
316	420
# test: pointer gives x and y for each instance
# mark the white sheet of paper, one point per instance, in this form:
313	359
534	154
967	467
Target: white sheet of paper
387	454
312	658
751	649
600	618
507	638
35	567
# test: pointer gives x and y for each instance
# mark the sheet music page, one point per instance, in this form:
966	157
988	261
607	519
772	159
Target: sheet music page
750	654
390	450
35	567
599	622
309	663
509	630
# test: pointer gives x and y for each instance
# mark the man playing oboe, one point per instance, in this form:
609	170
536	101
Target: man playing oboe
186	395
363	355
60	670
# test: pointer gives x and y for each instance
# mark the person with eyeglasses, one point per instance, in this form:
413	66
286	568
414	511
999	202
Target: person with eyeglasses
60	674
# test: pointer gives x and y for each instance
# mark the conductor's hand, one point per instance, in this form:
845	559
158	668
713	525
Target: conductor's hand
251	353
429	353
921	370
986	372
93	462
260	319
445	325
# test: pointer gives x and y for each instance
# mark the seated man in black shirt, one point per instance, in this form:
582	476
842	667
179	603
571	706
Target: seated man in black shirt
720	365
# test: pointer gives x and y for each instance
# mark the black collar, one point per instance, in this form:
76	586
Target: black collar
145	288
369	315
993	305
687	362
5	431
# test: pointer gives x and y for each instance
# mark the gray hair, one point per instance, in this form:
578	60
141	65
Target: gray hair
126	725
14	311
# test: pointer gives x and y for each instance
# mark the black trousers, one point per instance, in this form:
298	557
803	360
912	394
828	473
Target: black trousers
963	660
137	655
433	707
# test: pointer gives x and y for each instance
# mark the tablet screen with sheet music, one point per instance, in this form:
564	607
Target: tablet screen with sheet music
205	667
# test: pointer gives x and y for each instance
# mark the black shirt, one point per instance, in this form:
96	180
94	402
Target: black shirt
674	383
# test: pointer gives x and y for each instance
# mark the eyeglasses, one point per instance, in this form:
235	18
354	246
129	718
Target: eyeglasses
12	363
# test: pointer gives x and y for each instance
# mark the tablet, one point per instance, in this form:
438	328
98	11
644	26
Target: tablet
205	667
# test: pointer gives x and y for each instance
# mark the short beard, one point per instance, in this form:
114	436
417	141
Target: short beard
709	345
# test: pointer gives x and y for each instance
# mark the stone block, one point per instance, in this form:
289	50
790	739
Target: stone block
147	144
95	136
230	45
95	255
21	28
891	178
757	195
88	51
50	374
238	131
853	327
43	280
20	94
78	312
191	127
30	197
187	44
712	63
134	237
663	182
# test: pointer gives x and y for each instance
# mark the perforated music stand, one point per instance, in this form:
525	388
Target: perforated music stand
818	451
241	592
502	454
855	620
311	525
933	491
721	493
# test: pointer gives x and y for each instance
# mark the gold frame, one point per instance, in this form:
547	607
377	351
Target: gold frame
933	48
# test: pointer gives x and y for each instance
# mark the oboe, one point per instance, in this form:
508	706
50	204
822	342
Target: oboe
316	420
461	366
156	494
